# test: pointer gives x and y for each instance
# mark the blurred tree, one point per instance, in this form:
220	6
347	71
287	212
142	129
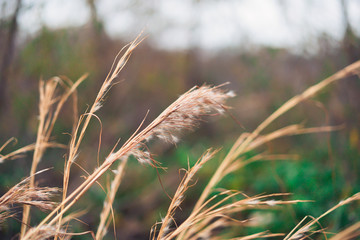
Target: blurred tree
351	47
193	68
96	22
8	52
351	42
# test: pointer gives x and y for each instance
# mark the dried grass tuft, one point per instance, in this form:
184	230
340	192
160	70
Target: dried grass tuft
23	194
308	229
47	232
183	114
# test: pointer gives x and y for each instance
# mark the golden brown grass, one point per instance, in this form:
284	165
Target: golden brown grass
49	108
22	194
211	213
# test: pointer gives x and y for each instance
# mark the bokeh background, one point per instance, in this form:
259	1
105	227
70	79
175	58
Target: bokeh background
268	51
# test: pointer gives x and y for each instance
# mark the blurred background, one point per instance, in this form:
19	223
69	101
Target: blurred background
268	50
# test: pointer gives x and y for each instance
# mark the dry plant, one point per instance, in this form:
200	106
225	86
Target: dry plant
22	194
82	124
47	232
351	232
215	213
194	225
50	106
307	230
183	114
15	154
210	215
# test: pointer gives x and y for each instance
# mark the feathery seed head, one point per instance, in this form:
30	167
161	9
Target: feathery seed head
271	202
253	202
46	232
183	114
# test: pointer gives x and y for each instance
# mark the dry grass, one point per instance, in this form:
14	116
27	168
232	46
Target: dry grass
49	108
22	194
210	215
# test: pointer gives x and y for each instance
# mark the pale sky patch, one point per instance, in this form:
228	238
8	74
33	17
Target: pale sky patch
177	24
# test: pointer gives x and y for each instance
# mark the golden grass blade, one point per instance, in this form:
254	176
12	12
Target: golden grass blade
244	141
17	153
22	194
260	235
50	106
180	192
349	233
46	232
308	226
7	143
199	221
79	133
184	113
105	213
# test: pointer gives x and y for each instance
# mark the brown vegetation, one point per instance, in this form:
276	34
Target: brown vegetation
215	211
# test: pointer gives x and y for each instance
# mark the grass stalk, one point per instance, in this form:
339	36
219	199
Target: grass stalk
242	143
47	118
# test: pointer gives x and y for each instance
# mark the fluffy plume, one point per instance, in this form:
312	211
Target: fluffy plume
187	110
184	114
47	232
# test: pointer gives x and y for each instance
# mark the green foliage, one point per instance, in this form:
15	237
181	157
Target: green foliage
52	53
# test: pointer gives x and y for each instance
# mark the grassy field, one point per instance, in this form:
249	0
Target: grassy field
162	181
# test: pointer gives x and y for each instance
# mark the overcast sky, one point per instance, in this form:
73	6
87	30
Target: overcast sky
210	24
